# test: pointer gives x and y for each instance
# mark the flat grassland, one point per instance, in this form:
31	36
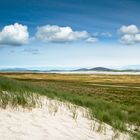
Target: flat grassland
113	99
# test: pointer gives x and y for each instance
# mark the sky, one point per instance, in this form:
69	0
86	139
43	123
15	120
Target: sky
69	33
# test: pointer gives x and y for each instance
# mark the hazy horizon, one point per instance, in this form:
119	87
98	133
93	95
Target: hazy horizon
131	67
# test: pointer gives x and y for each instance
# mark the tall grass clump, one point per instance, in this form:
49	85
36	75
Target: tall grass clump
14	93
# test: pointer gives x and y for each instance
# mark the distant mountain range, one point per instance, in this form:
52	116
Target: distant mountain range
97	69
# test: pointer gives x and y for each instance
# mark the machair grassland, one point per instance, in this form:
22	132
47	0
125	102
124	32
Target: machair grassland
113	99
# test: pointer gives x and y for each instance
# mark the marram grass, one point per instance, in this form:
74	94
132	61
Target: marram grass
26	94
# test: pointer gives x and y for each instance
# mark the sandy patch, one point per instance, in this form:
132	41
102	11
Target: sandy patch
53	121
95	72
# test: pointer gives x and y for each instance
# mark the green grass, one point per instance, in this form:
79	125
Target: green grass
114	106
14	93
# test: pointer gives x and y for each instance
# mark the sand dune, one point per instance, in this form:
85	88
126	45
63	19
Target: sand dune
53	121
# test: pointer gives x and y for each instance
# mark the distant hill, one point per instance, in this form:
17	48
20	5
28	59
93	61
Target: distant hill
95	69
18	70
82	69
101	69
14	69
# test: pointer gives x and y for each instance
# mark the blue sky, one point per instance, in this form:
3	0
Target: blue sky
69	33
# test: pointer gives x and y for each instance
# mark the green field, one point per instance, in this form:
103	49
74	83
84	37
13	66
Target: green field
113	99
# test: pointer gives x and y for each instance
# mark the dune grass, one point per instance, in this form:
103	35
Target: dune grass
108	105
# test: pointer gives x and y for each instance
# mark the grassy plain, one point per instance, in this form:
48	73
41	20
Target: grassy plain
113	99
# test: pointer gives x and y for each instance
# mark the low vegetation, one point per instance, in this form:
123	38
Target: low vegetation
115	105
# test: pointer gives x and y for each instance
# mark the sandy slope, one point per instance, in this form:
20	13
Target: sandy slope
54	121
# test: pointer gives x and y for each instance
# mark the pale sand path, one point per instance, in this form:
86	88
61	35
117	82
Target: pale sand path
42	124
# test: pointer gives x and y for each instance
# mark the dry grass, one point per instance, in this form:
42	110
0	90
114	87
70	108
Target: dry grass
95	78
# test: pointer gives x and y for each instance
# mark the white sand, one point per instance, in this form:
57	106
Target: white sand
96	72
54	121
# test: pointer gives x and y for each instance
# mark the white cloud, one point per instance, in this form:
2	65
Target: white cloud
14	35
102	34
130	29
130	34
130	39
127	39
137	37
106	34
91	40
54	33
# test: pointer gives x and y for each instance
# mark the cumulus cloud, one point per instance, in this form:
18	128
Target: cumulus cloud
130	39
54	33
14	35
130	29
129	34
